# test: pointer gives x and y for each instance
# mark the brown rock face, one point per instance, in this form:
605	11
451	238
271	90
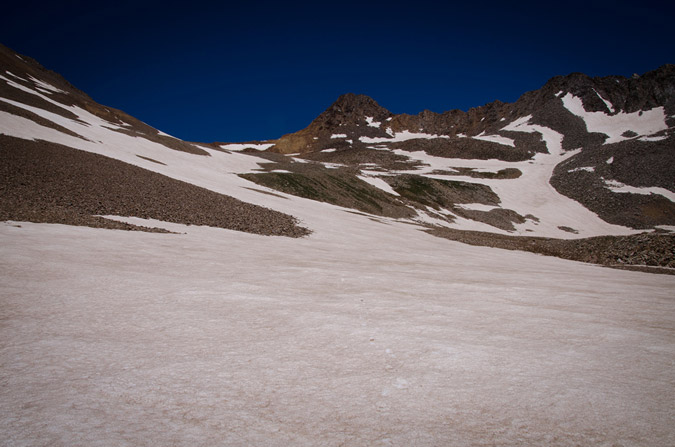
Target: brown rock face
346	116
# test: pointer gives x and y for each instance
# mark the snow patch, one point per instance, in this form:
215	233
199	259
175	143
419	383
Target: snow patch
495	139
610	160
608	104
617	186
378	183
583	168
371	122
476	206
520	125
15	76
329	150
401	136
332	165
646	122
656	138
242	146
159	132
339	135
44	85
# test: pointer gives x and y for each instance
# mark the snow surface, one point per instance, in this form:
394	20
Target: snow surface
14	76
617	186
159	132
367	332
654	138
371	122
378	183
646	122
477	206
609	105
531	193
28	90
45	85
242	146
332	165
495	139
583	168
400	136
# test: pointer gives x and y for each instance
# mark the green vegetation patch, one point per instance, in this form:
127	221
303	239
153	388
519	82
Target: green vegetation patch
441	193
335	187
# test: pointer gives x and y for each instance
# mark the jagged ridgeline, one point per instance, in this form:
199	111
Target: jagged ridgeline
578	158
606	143
67	159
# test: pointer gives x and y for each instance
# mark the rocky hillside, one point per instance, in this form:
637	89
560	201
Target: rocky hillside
579	159
607	141
45	178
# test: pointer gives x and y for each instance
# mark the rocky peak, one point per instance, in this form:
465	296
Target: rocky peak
351	109
632	94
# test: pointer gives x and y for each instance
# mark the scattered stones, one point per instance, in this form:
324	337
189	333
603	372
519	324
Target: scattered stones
645	249
47	182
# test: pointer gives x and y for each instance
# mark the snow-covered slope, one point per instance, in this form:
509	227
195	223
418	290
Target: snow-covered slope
368	331
543	138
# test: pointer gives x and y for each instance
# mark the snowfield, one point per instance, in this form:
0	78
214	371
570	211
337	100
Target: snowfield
365	333
369	332
643	123
530	194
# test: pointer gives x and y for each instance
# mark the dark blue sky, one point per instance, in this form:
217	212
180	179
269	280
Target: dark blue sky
207	72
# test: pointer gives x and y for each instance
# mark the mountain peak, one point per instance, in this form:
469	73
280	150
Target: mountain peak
351	108
353	99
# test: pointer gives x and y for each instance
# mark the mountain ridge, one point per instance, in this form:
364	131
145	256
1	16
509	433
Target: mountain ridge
651	89
571	160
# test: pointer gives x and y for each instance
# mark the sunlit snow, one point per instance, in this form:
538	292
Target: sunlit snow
654	138
164	134
367	332
531	193
378	183
371	122
616	186
609	105
495	139
476	206
645	122
401	136
583	168
242	146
